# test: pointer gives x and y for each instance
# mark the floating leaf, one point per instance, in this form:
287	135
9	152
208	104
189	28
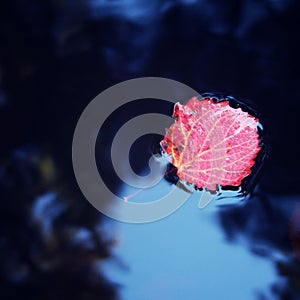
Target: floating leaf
212	143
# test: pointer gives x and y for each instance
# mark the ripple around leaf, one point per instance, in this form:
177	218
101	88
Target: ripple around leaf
212	143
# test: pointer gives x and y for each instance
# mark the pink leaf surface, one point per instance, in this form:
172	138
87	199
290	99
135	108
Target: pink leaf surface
212	143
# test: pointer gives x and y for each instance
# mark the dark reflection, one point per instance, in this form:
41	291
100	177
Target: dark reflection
50	238
55	56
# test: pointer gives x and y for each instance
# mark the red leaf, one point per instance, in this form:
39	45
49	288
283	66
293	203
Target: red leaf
212	143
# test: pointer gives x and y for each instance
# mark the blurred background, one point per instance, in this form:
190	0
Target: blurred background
55	57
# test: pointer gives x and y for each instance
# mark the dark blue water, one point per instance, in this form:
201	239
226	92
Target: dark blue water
56	56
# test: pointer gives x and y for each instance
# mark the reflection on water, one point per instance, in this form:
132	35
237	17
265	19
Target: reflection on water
74	50
187	256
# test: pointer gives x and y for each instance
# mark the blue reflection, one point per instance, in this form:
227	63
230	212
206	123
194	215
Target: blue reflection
186	256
